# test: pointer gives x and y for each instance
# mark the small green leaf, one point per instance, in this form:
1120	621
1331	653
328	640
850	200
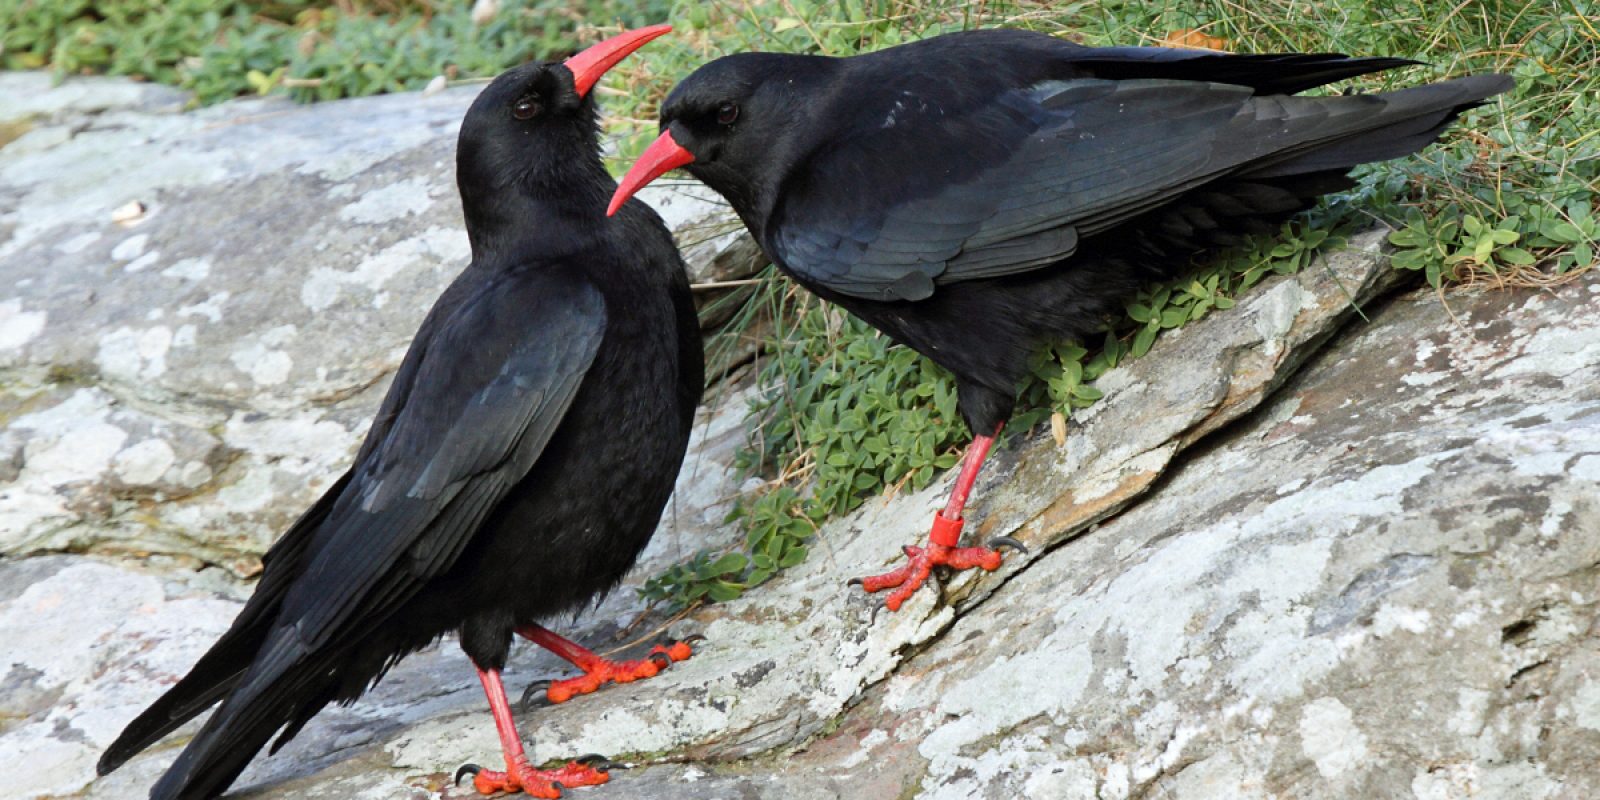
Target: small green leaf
793	557
722	591
729	563
1516	256
1143	340
1561	231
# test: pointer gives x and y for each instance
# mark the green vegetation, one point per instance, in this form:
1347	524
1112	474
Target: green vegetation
220	49
1506	198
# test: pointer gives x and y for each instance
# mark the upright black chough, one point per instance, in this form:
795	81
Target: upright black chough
515	470
976	194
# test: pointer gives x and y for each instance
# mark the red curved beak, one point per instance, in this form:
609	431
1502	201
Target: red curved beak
662	156
589	65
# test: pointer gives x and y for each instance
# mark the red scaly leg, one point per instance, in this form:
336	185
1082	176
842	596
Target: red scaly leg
597	671
519	775
943	538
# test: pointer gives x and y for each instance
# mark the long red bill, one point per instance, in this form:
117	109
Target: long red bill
589	65
662	156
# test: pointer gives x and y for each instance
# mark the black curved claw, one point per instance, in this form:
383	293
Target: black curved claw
467	769
661	660
531	699
692	638
560	788
853	582
599	762
1006	541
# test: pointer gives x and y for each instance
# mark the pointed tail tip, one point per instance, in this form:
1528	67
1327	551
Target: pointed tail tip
113	758
1485	85
1497	83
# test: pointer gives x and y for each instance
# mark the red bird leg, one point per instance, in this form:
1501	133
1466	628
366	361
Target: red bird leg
519	775
597	671
943	539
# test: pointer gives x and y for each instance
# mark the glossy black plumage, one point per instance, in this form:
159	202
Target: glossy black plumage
977	194
516	468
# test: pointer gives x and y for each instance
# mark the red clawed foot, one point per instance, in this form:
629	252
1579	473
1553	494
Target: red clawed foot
920	563
598	671
943	538
536	782
519	776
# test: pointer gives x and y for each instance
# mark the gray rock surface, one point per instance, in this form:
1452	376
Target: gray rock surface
187	382
1291	553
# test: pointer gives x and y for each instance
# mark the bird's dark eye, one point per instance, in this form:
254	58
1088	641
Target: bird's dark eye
526	107
727	113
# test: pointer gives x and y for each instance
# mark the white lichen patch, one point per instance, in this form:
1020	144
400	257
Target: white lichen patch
189	269
134	355
1047	681
193	474
389	203
1275	313
252	492
304	440
1472	706
1556	351
1425	350
18	327
1423	378
864	749
71	441
1330	738
143	262
1587	468
1391	618
145	462
432	247
1585	704
130	248
210	308
262	360
1074	778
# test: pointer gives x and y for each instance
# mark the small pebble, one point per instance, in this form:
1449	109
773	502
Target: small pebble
130	214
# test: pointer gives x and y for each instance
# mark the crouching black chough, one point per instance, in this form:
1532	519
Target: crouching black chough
516	468
977	194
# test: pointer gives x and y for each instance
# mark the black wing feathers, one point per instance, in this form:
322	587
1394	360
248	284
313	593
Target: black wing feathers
1090	151
1272	73
1013	181
464	431
474	423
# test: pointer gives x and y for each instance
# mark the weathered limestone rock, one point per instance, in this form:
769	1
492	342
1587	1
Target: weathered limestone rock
1290	554
1383	584
189	382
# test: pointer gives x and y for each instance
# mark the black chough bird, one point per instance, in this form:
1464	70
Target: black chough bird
516	468
976	194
